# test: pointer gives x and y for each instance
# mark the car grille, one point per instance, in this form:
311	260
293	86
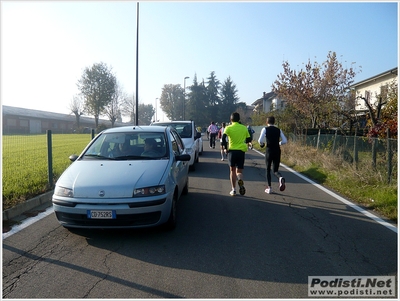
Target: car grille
131	205
122	220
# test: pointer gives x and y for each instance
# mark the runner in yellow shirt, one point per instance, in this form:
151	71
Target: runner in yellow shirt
238	137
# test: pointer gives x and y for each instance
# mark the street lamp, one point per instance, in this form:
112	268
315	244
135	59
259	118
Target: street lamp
184	95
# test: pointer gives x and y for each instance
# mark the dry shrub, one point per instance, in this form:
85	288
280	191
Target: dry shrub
297	155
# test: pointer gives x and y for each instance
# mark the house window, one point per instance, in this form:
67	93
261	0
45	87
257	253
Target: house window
367	95
11	122
24	123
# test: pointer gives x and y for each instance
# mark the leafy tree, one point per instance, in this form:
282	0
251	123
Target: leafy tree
97	85
146	114
318	93
171	101
205	102
197	103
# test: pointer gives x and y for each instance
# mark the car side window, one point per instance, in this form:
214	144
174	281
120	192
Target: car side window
177	144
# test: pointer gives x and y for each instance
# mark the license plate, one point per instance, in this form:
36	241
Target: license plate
101	214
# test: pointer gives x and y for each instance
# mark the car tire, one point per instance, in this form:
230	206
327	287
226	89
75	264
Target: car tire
171	223
185	190
192	167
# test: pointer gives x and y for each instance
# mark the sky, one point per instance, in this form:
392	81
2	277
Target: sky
46	45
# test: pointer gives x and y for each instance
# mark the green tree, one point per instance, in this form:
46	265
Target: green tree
97	85
228	100
171	101
146	113
212	92
197	103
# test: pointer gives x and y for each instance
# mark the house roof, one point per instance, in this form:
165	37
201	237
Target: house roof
391	71
30	113
266	96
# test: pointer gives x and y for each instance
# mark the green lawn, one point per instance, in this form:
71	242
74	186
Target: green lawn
25	168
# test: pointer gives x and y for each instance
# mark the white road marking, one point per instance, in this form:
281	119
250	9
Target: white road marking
27	222
343	200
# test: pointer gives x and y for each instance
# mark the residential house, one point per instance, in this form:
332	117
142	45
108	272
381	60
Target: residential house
268	103
369	89
373	86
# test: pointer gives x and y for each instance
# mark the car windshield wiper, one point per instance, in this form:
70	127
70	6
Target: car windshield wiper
128	157
97	156
154	158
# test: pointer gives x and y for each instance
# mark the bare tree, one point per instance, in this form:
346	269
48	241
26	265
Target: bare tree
383	112
76	107
113	109
128	107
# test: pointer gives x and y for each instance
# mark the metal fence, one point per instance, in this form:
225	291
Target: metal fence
32	163
380	154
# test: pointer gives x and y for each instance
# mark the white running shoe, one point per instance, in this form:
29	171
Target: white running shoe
233	192
268	190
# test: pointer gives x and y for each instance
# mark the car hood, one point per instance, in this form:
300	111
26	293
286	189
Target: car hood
116	179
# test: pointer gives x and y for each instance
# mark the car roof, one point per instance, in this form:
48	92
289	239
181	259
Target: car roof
136	129
171	122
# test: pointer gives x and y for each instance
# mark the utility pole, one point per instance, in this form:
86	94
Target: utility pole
137	62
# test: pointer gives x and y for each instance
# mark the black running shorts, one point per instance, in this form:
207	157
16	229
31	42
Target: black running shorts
236	158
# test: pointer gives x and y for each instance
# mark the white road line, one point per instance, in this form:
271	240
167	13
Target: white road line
27	222
50	210
348	203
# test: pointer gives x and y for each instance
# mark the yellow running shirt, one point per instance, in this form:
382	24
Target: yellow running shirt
237	134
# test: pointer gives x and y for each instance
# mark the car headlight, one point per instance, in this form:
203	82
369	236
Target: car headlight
149	191
62	191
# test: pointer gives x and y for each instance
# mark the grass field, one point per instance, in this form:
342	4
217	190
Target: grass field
25	171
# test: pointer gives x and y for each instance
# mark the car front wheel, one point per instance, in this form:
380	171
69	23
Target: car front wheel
171	223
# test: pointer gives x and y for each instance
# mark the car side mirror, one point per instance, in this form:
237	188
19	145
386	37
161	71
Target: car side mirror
73	157
185	157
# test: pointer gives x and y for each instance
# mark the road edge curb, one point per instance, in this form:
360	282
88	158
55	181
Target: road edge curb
27	205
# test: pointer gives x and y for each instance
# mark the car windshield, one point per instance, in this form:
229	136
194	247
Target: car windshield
183	129
128	146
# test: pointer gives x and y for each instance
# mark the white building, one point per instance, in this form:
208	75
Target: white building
268	103
371	87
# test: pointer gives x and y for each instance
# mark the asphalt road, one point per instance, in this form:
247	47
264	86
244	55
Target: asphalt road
252	246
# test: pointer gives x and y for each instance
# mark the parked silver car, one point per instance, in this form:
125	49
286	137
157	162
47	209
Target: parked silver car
127	177
190	137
